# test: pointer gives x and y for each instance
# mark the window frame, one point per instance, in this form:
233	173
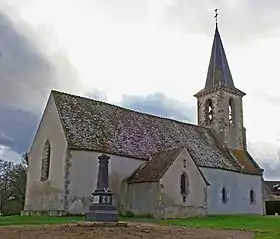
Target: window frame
252	196
231	113
184	188
45	162
225	197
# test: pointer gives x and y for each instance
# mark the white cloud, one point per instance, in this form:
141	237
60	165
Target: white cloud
9	155
242	20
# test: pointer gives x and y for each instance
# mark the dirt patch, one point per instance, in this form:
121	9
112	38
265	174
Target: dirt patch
132	231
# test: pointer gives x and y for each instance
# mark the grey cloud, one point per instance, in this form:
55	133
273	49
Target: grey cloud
17	128
267	155
4	139
239	20
160	105
28	71
271	170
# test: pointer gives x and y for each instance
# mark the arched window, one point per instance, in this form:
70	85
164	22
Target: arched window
45	168
224	195
209	111
252	196
230	111
184	185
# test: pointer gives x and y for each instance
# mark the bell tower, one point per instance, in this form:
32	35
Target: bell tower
219	103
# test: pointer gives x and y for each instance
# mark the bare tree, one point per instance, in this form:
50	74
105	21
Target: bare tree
5	169
12	185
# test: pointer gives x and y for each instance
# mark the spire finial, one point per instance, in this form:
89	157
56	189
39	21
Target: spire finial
216	16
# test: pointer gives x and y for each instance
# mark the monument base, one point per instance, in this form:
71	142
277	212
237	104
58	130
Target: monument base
102	208
102	224
102	216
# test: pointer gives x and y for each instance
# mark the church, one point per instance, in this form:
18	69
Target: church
158	166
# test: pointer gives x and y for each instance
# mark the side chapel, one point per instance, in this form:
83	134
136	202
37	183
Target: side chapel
157	165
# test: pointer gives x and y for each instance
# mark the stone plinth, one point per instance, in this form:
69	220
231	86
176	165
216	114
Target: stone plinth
102	224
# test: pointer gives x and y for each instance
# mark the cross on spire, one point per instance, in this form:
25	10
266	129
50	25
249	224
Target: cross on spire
216	16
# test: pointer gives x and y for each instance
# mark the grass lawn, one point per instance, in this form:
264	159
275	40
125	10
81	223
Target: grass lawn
265	227
36	220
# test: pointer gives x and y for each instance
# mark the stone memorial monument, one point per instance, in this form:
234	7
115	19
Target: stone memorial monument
102	208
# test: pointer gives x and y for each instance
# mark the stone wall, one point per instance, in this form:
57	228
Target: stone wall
143	198
232	135
47	195
172	199
163	199
238	188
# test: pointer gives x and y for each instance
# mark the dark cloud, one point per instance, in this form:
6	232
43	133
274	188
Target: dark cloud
271	170
239	20
160	105
28	69
17	128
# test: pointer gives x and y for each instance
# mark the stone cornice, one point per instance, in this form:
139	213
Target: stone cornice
220	88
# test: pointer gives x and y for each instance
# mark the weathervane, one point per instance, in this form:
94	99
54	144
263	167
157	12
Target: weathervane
216	15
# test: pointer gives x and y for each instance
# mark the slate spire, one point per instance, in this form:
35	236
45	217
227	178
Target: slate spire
218	70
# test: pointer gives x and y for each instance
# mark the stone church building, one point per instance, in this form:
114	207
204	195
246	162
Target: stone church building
157	165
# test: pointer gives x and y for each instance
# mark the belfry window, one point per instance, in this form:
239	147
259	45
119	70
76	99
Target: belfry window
209	111
45	167
230	111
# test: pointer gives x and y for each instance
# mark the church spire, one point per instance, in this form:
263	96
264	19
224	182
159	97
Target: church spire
218	70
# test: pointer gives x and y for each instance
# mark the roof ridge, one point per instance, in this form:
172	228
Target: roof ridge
179	148
157	157
127	109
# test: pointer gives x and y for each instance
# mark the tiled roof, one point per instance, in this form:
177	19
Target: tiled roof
245	161
153	170
94	125
272	187
157	166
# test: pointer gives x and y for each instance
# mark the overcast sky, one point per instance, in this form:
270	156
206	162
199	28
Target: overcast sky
134	52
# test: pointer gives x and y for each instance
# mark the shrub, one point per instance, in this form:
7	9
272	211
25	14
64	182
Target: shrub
129	214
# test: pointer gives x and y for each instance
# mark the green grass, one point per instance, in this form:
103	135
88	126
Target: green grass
265	227
36	220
